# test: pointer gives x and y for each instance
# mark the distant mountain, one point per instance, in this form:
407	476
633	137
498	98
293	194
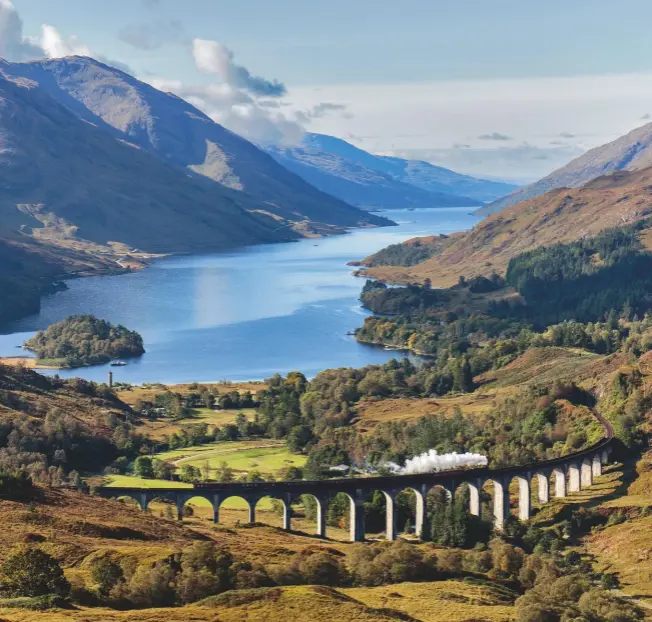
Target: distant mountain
438	179
630	152
176	131
370	181
416	172
560	215
360	185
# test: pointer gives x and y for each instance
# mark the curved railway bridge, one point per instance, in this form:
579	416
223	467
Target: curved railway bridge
571	473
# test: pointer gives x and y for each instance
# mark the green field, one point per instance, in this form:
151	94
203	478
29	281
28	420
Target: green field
219	417
115	481
267	457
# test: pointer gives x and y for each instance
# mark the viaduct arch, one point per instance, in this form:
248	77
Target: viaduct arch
571	474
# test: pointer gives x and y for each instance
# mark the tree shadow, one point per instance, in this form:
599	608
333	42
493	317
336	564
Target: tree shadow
613	484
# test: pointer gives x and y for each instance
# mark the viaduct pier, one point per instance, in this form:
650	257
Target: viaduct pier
552	478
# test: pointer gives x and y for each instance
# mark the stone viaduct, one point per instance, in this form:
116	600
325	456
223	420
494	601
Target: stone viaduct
570	474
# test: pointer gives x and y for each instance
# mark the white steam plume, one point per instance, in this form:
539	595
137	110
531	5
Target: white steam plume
431	461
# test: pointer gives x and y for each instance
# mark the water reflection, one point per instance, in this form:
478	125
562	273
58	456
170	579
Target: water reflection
240	315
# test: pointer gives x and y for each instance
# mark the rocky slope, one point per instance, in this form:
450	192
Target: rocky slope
370	181
178	133
631	152
561	215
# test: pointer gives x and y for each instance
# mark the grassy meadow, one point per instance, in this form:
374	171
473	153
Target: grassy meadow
439	602
161	428
149	391
265	456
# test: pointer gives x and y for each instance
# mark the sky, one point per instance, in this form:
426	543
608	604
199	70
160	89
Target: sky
507	89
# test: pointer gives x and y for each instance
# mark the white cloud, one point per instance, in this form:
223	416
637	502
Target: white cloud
14	46
238	100
441	121
55	46
215	58
238	111
324	108
246	104
494	136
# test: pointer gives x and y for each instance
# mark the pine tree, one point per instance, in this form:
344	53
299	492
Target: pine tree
467	376
463	376
459	525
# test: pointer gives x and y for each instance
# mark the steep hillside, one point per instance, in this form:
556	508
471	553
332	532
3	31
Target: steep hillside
24	392
179	133
414	172
561	215
81	531
60	172
30	268
24	278
356	182
631	152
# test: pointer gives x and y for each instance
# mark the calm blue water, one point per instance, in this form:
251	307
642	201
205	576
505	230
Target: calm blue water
239	315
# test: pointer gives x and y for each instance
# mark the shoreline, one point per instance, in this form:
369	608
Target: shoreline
252	385
124	263
127	262
390	346
25	361
140	378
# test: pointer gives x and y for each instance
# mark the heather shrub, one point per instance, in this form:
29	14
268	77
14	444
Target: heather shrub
382	563
29	571
106	573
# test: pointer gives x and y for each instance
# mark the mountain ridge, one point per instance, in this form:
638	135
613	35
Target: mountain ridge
177	132
632	151
560	215
419	173
359	185
60	171
382	182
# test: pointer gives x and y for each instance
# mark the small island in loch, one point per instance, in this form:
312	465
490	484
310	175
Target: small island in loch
81	340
